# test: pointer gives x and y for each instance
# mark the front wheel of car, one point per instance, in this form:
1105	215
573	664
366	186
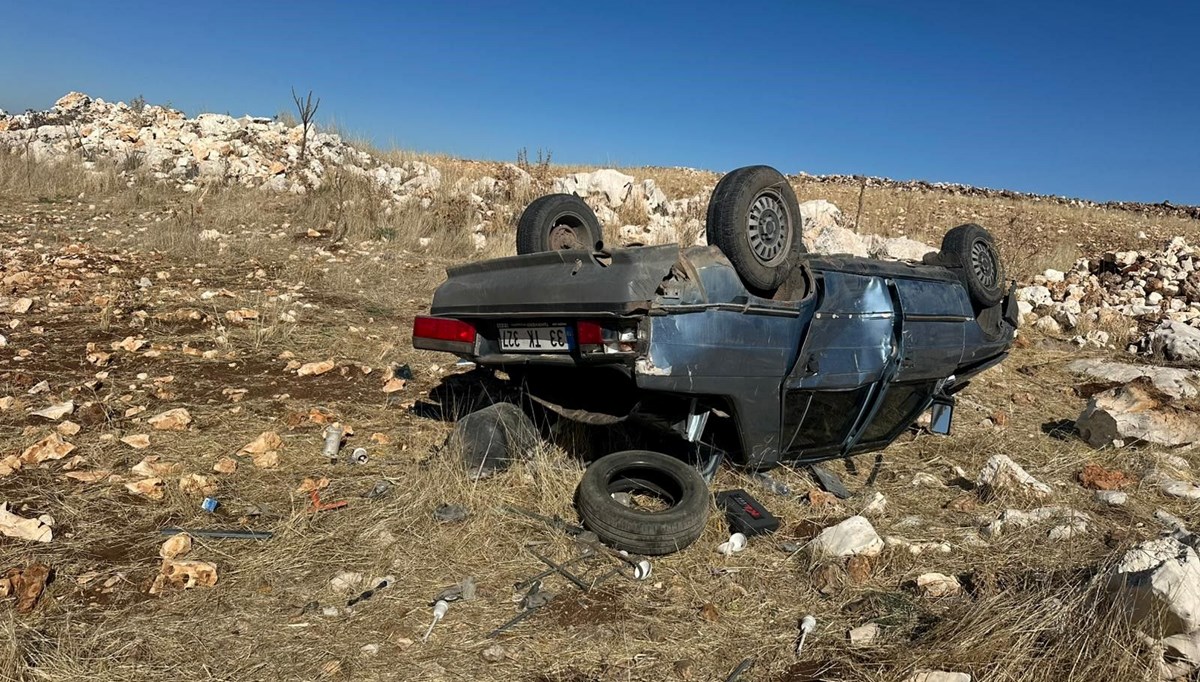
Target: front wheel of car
558	221
754	218
973	251
643	502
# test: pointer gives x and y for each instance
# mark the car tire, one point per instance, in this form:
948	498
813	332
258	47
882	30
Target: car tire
636	530
754	218
491	439
971	251
558	221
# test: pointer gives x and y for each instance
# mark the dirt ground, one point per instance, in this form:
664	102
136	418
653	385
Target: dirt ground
99	273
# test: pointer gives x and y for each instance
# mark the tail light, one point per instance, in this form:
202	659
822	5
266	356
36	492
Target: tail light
443	333
593	337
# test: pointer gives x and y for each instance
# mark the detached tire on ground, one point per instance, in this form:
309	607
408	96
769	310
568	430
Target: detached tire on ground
971	251
754	218
491	439
643	473
555	222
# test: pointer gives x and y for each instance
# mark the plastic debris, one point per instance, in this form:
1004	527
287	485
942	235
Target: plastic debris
807	625
735	543
439	612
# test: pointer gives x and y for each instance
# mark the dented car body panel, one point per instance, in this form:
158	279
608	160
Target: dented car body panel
843	359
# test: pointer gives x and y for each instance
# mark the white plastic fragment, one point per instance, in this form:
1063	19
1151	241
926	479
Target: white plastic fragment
735	543
439	612
807	625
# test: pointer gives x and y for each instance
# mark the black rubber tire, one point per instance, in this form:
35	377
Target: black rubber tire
971	251
728	225
639	531
536	229
491	439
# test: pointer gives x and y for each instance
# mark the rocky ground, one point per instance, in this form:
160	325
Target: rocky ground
171	335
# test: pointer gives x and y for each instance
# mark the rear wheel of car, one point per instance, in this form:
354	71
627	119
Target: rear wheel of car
754	218
666	502
972	250
558	221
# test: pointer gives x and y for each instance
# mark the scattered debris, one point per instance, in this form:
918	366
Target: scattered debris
863	635
807	625
1001	473
55	412
137	441
48	448
264	450
231	534
176	546
938	585
35	530
152	488
1096	477
494	653
853	536
735	543
315	368
450	513
172	420
439	612
27	584
938	676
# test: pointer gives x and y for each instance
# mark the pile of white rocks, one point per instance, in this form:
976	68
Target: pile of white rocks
272	155
1155	290
252	151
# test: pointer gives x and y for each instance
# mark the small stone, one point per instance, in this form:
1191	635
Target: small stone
1113	498
1002	473
493	654
853	536
876	505
346	581
863	634
938	676
1096	477
859	569
450	513
1182	489
925	480
171	420
938	585
819	499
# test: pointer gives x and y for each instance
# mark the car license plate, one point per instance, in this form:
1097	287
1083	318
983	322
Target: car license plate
535	339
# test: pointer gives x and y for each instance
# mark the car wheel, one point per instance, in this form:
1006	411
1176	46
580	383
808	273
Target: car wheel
754	218
491	439
558	221
668	502
972	251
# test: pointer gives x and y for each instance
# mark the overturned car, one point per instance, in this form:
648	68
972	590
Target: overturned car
749	347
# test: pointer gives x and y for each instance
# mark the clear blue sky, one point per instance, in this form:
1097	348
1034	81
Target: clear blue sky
1092	99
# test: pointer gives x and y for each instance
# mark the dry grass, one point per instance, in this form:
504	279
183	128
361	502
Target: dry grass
1031	612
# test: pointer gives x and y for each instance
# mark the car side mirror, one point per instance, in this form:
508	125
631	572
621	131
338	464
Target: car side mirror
941	414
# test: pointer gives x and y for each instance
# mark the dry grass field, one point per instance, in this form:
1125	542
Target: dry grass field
102	262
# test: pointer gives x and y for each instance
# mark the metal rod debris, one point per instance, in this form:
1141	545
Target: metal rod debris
221	534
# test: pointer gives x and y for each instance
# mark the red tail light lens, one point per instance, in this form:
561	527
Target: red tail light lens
589	334
443	329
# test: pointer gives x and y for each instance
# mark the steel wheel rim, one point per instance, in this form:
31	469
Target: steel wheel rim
984	265
769	228
564	237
